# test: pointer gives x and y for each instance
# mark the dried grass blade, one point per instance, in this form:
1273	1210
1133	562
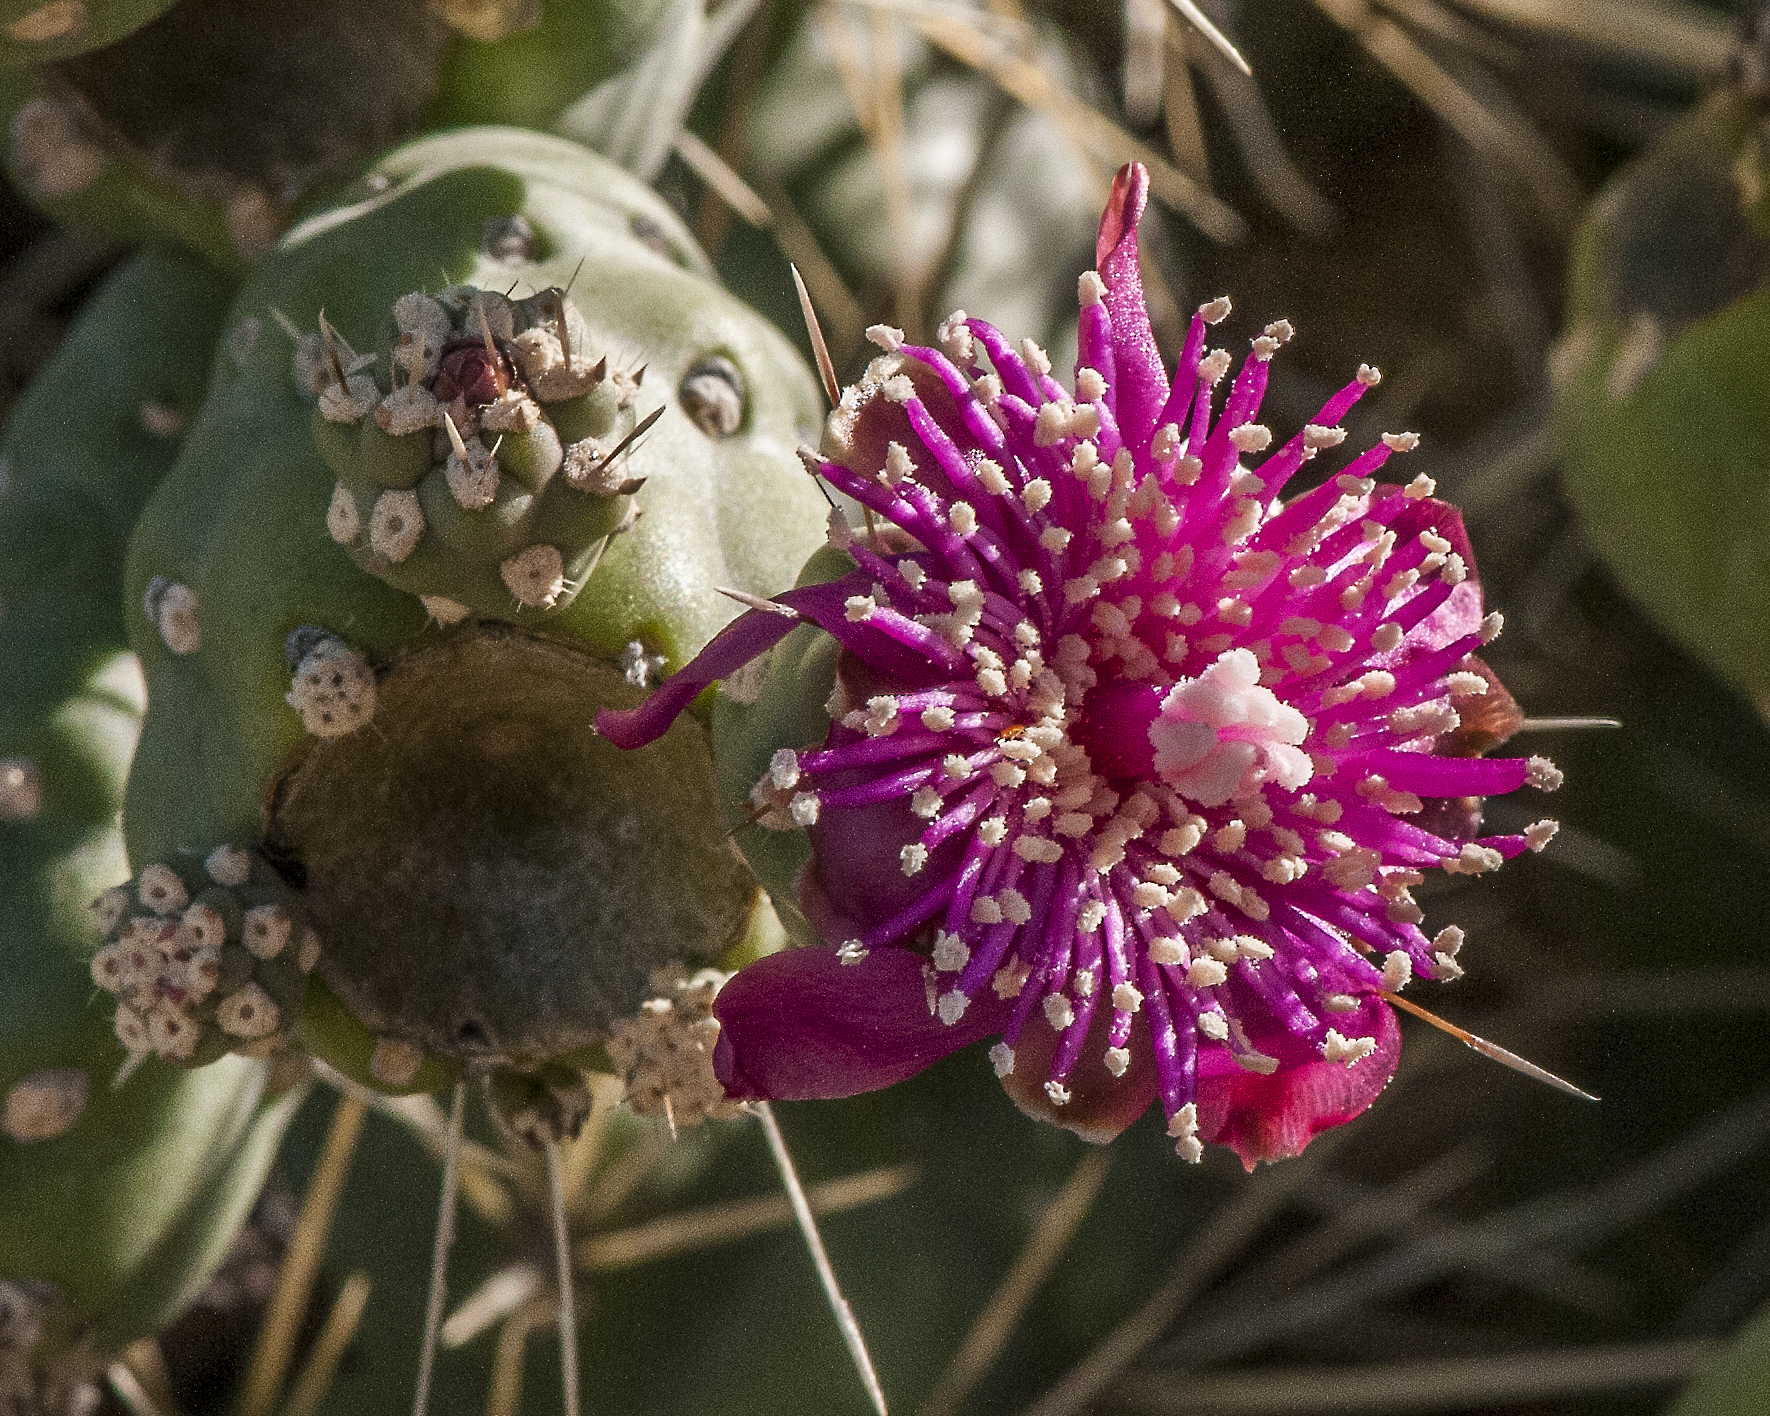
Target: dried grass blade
275	1347
147	1363
1256	135
723	180
996	1323
736	1219
1226	1233
1094	131
504	1391
843	320
492	1302
1502	137
852	1338
887	141
1678	36
482	1168
562	1257
439	1253
328	1349
1434	1385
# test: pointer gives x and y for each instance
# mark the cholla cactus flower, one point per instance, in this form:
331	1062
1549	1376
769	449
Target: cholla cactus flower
1134	765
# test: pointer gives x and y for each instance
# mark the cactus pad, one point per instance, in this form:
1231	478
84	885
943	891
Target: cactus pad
381	597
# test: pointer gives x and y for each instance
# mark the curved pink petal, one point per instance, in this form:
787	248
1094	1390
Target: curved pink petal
1099	1105
1275	1117
1141	381
747	637
805	1025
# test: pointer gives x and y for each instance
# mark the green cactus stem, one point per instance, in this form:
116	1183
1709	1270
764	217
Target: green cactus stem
1659	378
382	595
117	1195
37	31
205	122
62	160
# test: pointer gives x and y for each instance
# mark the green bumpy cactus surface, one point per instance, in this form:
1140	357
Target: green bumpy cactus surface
121	1194
483	443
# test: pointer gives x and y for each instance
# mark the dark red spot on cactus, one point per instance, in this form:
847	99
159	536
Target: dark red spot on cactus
474	373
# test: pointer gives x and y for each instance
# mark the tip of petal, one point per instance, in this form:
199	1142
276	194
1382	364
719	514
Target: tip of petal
1124	209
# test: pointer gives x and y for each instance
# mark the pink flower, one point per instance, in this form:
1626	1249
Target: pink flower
1134	764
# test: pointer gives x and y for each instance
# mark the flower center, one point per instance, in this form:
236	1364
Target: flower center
1212	738
1223	735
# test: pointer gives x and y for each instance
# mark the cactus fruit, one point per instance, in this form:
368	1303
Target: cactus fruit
488	478
377	615
117	1197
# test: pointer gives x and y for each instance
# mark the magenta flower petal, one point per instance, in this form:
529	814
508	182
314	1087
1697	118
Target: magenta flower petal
810	1025
1136	362
747	637
1133	765
1275	1117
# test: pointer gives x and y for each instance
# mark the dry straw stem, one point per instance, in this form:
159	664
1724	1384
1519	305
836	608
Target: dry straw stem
997	120
735	1219
439	1254
493	1301
852	1337
729	149
1345	1206
723	181
844	321
886	136
1677	36
1180	113
1255	134
1097	134
1522	1242
580	1158
1355	1215
328	1349
504	1395
1228	1231
1002	1314
1499	135
131	1392
148	1364
562	1262
1431	18
482	1168
873	81
1452	1384
277	1335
